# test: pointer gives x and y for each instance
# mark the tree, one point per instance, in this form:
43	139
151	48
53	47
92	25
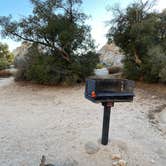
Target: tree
6	58
136	30
58	25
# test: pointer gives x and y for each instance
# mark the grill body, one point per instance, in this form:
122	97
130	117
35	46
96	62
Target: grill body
109	90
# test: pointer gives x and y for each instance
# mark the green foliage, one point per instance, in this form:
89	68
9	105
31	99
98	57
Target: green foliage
156	62
99	66
60	27
141	34
3	63
162	75
131	70
46	69
6	58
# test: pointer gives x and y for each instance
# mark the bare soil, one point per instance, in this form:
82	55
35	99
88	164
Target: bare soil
58	121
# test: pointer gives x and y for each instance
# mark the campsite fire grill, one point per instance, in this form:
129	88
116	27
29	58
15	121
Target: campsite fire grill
107	91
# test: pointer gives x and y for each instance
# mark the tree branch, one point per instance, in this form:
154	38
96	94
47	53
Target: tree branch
63	53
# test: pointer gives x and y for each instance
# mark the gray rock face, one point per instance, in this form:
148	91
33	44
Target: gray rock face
110	55
91	148
19	54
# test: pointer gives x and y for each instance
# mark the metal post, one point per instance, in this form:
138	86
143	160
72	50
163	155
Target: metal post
106	121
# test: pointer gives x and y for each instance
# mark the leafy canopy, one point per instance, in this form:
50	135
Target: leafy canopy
62	49
137	30
57	24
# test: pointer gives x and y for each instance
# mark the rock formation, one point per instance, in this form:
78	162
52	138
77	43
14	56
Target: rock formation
111	55
19	54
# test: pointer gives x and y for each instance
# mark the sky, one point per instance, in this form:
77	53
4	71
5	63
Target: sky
96	9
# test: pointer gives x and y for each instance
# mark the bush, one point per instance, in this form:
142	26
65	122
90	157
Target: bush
99	66
162	75
114	69
140	33
6	58
131	69
154	65
152	68
46	69
3	63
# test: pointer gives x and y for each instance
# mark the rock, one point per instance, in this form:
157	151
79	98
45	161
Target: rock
111	56
116	157
152	161
70	162
19	53
101	72
20	60
115	163
122	163
91	148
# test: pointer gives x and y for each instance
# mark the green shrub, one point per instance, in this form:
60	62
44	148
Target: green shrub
3	63
141	34
46	69
6	58
154	64
99	66
131	69
114	69
162	75
152	68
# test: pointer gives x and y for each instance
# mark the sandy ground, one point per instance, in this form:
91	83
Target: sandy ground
57	122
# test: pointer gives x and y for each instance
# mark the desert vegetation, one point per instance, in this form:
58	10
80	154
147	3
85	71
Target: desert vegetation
62	50
41	124
6	58
68	53
140	32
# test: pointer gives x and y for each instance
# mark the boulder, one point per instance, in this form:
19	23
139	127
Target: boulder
91	148
101	72
19	53
111	55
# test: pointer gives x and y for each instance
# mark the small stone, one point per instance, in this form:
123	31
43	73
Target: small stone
116	157
70	162
152	161
115	163
91	148
122	163
154	97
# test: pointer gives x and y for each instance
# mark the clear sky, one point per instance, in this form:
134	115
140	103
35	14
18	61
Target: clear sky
95	8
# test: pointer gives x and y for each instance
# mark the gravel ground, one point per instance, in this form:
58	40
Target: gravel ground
59	123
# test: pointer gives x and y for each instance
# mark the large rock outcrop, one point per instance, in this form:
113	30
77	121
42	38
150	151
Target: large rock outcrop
19	54
111	55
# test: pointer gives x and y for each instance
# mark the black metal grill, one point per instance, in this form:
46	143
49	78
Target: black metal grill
114	90
107	91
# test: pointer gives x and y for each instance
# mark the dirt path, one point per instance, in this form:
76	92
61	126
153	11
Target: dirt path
58	122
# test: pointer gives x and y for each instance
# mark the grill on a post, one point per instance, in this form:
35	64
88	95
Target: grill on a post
107	91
